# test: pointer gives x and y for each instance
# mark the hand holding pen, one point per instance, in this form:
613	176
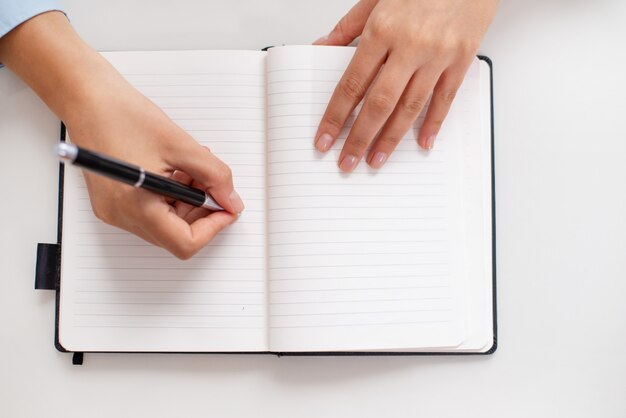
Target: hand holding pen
177	214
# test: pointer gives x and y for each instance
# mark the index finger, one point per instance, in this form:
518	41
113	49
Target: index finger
204	167
363	68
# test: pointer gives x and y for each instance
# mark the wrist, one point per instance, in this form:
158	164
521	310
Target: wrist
69	76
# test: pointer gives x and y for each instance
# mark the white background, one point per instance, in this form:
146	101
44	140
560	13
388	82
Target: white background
561	206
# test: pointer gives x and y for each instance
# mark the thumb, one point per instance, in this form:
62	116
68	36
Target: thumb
203	166
350	26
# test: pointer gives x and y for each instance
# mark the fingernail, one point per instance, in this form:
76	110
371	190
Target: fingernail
321	40
430	142
236	202
348	163
324	142
378	160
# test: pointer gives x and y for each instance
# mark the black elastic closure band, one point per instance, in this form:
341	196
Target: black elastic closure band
48	267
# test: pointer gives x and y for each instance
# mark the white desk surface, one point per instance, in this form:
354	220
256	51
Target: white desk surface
561	206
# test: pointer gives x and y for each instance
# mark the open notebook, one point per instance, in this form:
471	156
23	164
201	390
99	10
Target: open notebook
396	260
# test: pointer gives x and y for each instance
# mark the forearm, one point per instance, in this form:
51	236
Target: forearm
51	58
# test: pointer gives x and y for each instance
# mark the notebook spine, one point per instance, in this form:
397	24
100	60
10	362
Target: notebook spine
48	265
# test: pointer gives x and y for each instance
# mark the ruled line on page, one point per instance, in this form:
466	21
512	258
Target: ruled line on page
366	175
247	199
172	315
305	302
198	257
288	208
299	92
171	303
121	232
320	266
300	127
148	245
358	218
98	221
186	74
387	164
393	240
295	69
381	277
287	103
360	324
301	231
285	115
229	327
172	268
219	118
349	289
300	81
177	280
183	96
361	253
363	312
169	291
290	140
212	107
198	85
293	196
222	130
412	184
234	142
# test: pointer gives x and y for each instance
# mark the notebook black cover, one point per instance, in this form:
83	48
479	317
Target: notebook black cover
49	263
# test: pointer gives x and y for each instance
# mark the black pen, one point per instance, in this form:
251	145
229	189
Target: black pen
135	176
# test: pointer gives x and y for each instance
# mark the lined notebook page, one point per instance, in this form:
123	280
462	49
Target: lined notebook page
122	294
369	260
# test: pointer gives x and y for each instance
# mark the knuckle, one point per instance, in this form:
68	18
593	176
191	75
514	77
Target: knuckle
334	120
224	174
351	86
380	104
358	144
389	141
380	27
427	44
184	251
468	48
413	105
447	96
414	42
102	214
181	255
446	47
340	27
438	48
343	26
436	122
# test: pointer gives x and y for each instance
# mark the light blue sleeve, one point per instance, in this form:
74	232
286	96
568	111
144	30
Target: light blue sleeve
14	12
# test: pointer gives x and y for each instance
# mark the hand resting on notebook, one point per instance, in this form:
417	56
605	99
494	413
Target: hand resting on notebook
103	112
409	51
